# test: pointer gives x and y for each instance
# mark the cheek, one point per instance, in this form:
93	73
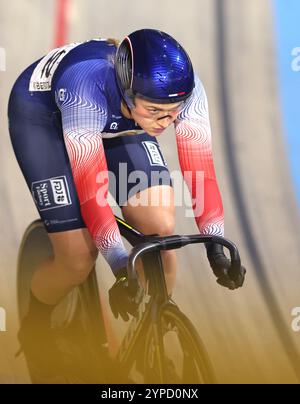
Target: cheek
143	122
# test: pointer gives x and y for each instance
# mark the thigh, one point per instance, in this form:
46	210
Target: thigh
38	143
135	164
152	211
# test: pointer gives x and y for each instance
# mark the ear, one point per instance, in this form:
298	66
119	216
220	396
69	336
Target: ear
129	102
126	109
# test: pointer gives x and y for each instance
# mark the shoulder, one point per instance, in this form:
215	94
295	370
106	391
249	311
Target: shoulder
88	81
199	93
85	72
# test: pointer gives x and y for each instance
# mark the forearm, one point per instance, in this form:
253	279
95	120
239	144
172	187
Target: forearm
91	180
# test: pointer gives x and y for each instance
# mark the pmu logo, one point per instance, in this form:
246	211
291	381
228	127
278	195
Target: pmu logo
2	319
2	60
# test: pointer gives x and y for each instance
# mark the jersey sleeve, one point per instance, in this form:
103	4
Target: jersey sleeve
194	144
80	98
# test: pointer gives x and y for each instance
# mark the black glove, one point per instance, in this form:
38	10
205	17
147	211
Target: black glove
121	298
220	265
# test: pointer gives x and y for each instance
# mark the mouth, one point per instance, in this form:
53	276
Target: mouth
158	130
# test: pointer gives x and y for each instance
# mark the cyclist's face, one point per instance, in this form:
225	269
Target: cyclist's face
155	118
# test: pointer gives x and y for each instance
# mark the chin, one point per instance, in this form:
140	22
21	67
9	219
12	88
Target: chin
149	132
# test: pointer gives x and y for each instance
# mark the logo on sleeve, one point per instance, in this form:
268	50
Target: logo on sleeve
114	126
154	155
51	193
62	94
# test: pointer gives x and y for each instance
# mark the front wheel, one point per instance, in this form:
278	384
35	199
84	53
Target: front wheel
174	352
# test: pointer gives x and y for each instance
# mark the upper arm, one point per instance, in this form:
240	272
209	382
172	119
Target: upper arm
83	107
193	136
196	111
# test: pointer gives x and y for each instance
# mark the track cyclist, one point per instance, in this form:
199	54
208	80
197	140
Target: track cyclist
77	114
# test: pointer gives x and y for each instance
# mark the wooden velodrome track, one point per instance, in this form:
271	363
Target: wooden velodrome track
248	332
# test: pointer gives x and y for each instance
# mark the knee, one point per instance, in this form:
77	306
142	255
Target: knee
166	227
77	267
163	225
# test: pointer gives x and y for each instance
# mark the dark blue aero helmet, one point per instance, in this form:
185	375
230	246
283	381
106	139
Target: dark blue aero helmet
152	65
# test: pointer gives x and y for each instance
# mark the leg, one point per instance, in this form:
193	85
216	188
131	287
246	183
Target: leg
36	136
155	218
74	258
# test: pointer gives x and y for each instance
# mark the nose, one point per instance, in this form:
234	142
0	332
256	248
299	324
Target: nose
165	121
